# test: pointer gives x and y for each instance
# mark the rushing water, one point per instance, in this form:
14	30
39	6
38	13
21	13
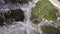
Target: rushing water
25	27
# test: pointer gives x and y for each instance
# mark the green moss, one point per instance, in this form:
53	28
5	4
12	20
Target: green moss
35	19
44	9
49	30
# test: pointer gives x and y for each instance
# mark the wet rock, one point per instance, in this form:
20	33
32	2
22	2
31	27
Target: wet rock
10	1
9	17
18	15
2	18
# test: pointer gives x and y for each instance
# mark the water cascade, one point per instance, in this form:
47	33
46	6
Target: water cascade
25	27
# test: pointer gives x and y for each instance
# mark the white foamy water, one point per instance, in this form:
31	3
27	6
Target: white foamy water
25	27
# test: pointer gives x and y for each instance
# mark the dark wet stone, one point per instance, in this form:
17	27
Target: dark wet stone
6	1
10	1
18	15
2	18
11	16
13	1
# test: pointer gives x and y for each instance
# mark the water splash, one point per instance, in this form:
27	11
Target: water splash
26	26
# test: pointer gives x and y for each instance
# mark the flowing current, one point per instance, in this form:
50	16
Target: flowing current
25	27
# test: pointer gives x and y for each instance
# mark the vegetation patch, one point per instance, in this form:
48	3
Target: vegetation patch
44	9
49	30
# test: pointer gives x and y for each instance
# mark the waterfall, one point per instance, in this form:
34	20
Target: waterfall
27	24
